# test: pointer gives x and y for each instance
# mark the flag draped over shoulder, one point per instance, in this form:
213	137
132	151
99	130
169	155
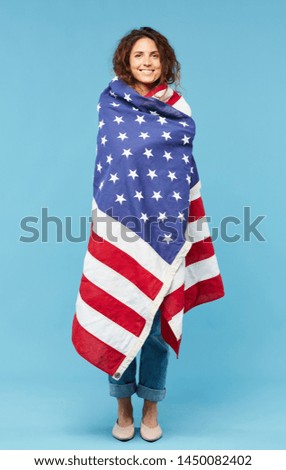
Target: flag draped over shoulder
149	246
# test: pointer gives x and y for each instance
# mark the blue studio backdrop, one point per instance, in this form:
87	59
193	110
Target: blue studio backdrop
227	389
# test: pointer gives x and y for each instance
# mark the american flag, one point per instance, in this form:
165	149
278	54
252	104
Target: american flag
149	247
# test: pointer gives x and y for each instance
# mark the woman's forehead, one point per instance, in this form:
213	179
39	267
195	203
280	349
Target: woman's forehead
144	44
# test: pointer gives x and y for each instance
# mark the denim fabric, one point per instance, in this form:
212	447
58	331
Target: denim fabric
153	365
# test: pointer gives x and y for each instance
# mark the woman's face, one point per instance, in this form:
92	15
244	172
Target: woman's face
145	62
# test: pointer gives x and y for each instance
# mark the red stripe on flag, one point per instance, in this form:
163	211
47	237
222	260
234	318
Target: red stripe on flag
155	90
174	98
173	303
94	350
197	210
204	291
124	264
200	250
110	307
169	336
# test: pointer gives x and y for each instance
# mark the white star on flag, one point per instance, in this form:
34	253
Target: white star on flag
127	97
101	124
162	120
122	136
172	175
188	178
101	185
113	177
148	153
120	198
152	174
127	153
98	107
144	217
99	167
118	119
144	135
133	174
185	158
184	124
103	140
185	139
115	105
154	112
139	195
113	94
166	135
168	156
156	195
167	238
176	195
140	119
181	216
109	158
135	109
162	216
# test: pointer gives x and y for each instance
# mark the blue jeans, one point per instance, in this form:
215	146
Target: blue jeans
154	358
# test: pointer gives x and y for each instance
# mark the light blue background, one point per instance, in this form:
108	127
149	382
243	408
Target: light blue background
228	388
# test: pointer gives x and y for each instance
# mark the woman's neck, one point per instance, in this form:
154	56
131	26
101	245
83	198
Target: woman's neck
143	89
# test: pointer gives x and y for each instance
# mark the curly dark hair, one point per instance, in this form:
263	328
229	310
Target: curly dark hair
170	65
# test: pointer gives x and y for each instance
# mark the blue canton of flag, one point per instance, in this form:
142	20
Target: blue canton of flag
144	167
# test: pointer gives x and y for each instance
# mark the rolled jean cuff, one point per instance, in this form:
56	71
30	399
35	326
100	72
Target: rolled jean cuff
150	394
122	391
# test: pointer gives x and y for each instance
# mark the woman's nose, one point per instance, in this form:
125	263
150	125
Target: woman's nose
147	61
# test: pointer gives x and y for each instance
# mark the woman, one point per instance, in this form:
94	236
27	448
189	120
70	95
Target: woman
134	290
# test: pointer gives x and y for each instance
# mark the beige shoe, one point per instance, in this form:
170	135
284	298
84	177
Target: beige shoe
123	433
150	434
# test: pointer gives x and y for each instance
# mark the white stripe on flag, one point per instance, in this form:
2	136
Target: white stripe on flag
179	277
177	324
166	92
197	230
195	195
201	270
103	328
195	190
183	106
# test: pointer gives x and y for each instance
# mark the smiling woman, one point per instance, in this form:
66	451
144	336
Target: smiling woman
137	285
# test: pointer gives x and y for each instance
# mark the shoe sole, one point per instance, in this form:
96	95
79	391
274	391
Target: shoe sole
123	440
151	440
